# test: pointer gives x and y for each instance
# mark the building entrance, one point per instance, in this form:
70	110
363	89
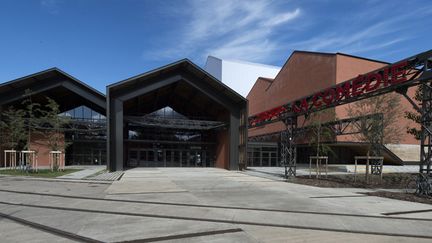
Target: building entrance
169	158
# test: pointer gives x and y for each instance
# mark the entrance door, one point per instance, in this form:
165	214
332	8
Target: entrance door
168	158
146	157
132	158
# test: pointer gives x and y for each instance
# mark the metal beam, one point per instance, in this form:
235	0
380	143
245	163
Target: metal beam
414	74
150	86
153	121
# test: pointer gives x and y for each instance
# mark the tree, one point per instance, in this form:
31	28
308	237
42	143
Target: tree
415	115
12	128
54	132
52	127
321	134
371	131
32	110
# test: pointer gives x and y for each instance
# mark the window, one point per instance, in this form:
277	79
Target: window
83	113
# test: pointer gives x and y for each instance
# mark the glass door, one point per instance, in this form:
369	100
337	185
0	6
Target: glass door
132	158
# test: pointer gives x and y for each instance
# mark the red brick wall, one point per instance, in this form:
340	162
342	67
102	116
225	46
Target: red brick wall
39	143
305	73
301	75
350	67
259	101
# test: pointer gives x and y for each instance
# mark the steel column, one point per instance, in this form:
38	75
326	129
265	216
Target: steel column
288	147
425	141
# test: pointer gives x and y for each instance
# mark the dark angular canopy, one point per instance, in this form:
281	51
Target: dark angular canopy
66	90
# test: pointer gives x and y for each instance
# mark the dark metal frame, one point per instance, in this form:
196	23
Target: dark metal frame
288	147
175	123
419	72
184	71
339	127
37	84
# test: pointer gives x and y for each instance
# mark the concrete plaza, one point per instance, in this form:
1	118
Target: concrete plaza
201	205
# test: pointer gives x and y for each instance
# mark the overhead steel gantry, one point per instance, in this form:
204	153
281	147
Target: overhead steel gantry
174	123
399	76
347	126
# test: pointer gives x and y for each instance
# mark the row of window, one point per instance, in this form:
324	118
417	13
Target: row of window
263	156
83	113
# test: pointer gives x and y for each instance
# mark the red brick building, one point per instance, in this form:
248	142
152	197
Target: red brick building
305	73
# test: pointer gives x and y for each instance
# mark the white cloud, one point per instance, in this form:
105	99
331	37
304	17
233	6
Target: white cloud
268	30
230	29
282	18
51	6
368	34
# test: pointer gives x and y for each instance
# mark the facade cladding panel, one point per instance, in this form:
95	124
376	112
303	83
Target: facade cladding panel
194	94
239	75
307	72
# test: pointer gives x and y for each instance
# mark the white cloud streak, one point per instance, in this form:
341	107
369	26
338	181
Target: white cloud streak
368	35
259	31
51	6
231	29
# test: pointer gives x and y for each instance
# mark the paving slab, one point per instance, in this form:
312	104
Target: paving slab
11	231
87	171
191	201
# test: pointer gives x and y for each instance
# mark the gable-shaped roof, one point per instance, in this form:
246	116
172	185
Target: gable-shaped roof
37	77
47	80
184	65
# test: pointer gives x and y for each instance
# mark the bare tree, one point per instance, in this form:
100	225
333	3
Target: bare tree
32	109
389	106
52	127
320	134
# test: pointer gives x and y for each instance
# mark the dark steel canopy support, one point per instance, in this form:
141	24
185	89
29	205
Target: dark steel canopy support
424	180
288	147
426	130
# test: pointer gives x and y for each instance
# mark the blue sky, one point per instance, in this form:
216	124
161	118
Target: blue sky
101	42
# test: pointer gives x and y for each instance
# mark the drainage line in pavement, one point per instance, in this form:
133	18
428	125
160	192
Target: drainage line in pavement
215	206
215	220
184	236
139	193
408	212
48	229
120	177
13	178
340	196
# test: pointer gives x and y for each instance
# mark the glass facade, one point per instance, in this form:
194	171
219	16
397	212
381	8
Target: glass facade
169	147
87	139
263	154
83	113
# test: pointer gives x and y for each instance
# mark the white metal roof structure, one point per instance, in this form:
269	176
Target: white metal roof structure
239	75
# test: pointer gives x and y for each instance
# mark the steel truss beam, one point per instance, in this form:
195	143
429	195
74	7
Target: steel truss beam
71	126
174	123
288	147
424	180
347	126
415	72
426	138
